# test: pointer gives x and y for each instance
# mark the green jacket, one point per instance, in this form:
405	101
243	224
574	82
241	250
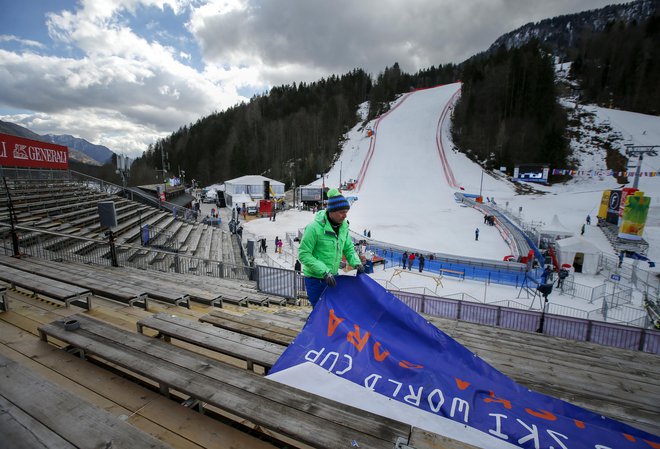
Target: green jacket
321	248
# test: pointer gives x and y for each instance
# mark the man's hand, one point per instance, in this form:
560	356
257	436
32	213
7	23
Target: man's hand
360	269
330	280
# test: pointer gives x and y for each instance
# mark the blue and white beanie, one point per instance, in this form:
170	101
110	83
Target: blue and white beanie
336	201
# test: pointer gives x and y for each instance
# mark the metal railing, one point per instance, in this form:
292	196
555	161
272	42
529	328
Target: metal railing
608	334
287	283
51	245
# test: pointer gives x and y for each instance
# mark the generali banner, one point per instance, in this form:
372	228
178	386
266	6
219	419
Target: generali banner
21	152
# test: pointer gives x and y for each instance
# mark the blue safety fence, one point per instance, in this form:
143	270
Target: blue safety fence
532	245
460	268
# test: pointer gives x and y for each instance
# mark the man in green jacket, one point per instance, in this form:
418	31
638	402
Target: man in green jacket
324	242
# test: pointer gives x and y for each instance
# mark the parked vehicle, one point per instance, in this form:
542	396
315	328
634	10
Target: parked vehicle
210	197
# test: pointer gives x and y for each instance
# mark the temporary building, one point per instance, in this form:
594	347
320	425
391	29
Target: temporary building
250	188
579	253
555	230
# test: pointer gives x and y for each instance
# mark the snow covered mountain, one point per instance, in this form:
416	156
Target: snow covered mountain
406	196
79	149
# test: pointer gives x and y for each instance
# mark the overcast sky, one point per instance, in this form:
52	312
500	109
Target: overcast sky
123	73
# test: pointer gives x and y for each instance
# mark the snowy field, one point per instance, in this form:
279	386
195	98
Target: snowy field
407	197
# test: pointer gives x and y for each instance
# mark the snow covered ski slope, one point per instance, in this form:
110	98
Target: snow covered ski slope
407	189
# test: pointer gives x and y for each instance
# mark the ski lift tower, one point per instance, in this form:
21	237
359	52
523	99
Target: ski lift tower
640	151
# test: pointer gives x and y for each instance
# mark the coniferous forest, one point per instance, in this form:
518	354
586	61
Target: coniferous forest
620	67
508	111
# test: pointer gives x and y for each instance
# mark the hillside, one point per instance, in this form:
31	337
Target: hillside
80	150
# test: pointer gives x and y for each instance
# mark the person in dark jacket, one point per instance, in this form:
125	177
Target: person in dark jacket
421	263
404	259
323	244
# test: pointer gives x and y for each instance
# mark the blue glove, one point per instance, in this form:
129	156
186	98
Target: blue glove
360	269
330	280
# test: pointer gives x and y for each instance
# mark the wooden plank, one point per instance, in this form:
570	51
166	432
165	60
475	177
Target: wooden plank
243	347
247	329
21	431
195	427
115	291
42	285
75	420
178	426
306	417
423	439
246	320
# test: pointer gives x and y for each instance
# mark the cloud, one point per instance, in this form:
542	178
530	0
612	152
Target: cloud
24	42
100	79
300	39
122	79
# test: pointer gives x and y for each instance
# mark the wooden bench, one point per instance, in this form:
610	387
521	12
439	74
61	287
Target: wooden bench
44	286
4	302
251	350
455	273
36	413
50	271
275	408
253	328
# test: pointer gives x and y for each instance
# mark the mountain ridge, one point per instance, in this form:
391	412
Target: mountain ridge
565	31
80	149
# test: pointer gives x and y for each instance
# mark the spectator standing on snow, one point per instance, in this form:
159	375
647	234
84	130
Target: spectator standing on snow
563	274
582	229
411	259
588	219
277	240
404	259
324	242
476	234
421	263
546	277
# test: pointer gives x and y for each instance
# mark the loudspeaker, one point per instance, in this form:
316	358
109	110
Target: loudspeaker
266	190
107	214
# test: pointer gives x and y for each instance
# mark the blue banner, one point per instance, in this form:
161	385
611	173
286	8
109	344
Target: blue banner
364	334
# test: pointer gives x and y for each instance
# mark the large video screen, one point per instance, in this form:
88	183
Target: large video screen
531	173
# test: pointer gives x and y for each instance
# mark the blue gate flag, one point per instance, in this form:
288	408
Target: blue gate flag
361	333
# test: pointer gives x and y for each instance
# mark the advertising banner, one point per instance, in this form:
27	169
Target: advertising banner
624	194
613	207
531	173
21	152
362	346
604	204
634	216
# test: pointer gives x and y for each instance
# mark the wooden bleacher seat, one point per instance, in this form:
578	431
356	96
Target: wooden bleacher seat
117	291
269	405
44	286
4	304
251	350
254	328
36	413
